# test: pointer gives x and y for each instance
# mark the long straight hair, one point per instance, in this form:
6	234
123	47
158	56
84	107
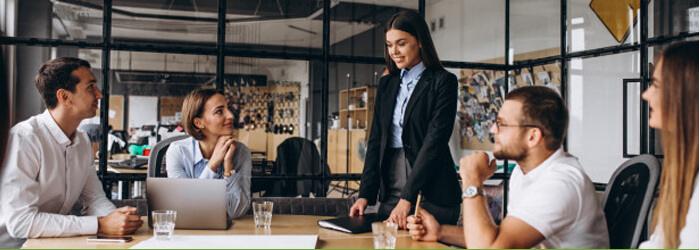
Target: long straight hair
679	98
412	23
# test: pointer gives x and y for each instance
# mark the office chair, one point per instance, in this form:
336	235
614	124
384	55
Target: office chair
297	156
155	160
627	200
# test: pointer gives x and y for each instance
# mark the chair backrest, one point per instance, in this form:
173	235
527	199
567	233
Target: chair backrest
155	160
309	206
628	198
298	156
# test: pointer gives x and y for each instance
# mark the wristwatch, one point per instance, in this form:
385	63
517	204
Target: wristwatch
472	191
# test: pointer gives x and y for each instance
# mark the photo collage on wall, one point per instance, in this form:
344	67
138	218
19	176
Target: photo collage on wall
481	95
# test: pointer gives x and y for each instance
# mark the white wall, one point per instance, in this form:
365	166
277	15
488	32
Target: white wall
474	32
143	110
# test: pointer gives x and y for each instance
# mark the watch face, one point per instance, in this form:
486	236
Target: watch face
471	191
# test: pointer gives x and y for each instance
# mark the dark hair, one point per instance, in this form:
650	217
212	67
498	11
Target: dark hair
57	74
192	107
412	23
544	108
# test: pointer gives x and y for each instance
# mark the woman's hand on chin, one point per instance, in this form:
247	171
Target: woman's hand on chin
228	159
222	146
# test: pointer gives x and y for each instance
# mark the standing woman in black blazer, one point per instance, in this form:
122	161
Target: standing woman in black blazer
415	110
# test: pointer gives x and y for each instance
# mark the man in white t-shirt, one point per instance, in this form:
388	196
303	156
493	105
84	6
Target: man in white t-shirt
552	202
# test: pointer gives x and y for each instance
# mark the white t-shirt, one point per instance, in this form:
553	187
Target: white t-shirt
689	233
558	199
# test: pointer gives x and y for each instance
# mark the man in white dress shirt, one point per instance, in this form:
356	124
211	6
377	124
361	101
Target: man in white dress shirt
48	165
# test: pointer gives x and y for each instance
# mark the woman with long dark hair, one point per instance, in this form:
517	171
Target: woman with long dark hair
415	109
673	105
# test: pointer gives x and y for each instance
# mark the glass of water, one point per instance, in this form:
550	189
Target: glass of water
384	234
262	213
163	224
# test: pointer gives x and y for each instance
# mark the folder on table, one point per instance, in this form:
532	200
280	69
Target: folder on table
352	225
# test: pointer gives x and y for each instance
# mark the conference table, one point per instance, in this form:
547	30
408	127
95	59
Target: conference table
281	225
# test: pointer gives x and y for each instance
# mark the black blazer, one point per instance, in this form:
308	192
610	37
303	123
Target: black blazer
428	123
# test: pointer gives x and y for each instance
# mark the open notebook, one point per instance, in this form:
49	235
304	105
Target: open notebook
353	225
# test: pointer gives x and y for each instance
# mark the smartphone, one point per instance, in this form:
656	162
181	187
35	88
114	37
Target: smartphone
109	239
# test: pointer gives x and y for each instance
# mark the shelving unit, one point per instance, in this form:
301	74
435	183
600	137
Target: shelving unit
356	105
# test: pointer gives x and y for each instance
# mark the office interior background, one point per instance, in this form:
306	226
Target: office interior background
309	69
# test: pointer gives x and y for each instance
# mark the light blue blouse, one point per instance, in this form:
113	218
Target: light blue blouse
409	79
184	160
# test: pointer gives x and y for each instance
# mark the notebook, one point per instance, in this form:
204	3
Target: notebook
352	225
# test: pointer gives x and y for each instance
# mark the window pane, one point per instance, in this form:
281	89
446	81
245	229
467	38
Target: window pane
268	98
290	26
191	21
151	87
595	104
601	23
68	20
351	101
459	33
357	26
542	41
667	18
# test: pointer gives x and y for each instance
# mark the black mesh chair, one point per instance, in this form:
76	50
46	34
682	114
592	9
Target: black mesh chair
628	198
297	156
156	162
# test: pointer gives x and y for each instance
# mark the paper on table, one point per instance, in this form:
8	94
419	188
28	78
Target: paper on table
232	241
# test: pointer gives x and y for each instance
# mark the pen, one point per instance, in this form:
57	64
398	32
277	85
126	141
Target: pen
418	204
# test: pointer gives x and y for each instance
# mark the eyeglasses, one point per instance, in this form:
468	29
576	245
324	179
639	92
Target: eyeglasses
500	124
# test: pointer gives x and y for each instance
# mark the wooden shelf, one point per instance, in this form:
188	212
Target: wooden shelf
343	143
352	110
361	117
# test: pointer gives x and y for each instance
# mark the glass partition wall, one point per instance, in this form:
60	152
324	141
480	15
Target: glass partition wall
310	71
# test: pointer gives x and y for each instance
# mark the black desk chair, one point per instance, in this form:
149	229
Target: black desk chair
297	156
628	198
156	162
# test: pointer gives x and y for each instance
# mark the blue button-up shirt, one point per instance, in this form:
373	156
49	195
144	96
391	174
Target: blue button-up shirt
409	79
184	160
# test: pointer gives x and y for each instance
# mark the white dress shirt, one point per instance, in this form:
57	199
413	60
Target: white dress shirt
43	176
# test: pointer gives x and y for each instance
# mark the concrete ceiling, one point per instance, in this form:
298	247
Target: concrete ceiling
294	23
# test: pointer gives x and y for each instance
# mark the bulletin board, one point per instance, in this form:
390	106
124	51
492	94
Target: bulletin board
482	92
169	105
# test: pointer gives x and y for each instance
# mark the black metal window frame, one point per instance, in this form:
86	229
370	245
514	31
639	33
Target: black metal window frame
221	50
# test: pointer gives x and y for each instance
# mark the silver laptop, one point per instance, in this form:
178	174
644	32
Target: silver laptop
200	204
